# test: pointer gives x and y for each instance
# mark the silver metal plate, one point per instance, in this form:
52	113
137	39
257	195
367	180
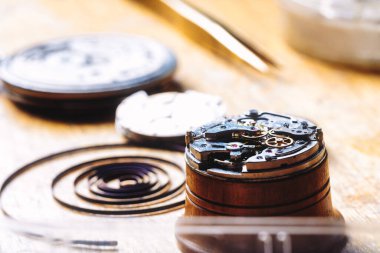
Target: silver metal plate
167	115
88	64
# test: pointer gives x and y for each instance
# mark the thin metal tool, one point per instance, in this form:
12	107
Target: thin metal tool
212	33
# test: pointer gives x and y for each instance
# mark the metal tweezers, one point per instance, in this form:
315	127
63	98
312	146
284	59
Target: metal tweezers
210	32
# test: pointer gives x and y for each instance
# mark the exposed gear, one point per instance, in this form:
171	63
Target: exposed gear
279	142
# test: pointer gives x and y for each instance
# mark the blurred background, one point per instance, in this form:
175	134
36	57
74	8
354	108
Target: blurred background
341	98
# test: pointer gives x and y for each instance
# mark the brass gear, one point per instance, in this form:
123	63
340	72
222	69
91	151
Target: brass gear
263	131
279	141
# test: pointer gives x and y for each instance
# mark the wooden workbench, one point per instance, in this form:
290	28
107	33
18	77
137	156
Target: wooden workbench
344	102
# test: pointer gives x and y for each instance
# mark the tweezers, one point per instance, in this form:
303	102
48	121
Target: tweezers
210	33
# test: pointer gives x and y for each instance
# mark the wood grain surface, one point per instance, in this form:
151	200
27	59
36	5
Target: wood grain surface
344	102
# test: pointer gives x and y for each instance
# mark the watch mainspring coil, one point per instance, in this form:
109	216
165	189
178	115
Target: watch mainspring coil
107	180
258	164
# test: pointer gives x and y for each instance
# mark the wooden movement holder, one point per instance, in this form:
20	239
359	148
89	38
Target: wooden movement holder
306	193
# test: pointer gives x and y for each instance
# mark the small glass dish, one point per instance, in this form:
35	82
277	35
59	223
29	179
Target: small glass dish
340	31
